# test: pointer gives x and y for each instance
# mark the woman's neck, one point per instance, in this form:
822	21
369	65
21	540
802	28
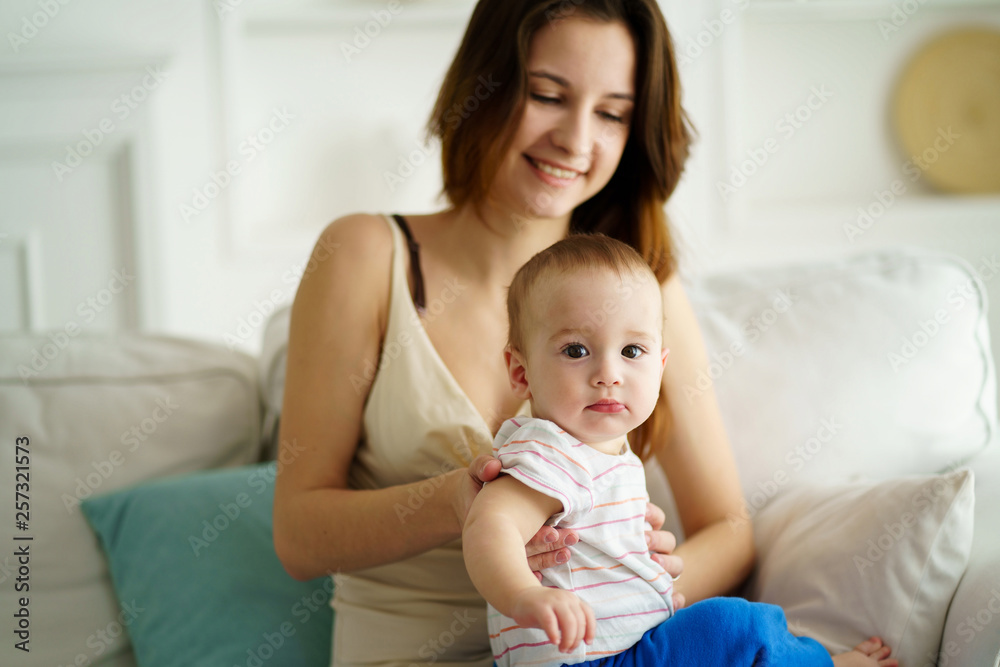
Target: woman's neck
491	247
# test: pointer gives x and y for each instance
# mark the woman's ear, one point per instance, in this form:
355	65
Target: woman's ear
517	373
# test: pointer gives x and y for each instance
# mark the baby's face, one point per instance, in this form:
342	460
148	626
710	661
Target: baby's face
594	352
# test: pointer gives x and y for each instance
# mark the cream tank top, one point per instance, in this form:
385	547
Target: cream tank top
418	423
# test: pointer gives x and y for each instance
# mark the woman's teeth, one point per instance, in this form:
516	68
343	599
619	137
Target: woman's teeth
554	171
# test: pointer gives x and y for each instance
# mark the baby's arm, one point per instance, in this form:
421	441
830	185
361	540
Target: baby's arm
503	517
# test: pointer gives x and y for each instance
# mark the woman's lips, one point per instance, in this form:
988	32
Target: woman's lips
559	180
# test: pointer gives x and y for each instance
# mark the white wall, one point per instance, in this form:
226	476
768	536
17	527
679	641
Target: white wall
335	120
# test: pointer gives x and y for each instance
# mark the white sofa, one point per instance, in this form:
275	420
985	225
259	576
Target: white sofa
845	386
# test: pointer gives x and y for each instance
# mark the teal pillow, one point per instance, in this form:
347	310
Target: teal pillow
197	578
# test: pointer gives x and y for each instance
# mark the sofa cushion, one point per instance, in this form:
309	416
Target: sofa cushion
202	582
848	561
878	362
101	413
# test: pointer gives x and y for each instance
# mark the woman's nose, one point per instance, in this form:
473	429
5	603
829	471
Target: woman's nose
574	134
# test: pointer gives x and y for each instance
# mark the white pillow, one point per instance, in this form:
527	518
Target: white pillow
877	362
853	560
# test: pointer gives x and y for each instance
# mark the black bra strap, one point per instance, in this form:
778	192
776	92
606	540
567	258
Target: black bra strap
418	276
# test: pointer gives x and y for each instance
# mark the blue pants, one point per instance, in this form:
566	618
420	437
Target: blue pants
721	632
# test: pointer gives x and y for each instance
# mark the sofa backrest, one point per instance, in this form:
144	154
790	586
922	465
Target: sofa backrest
101	413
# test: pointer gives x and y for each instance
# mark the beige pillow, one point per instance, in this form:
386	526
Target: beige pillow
849	561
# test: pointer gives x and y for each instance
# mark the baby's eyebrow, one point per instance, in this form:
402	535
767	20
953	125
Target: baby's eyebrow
640	334
565	332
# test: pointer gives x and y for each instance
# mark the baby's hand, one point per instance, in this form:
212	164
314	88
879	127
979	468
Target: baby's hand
565	618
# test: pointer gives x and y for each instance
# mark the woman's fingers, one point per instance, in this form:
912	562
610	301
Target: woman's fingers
548	547
655	516
661	542
548	539
484	469
678	601
674	565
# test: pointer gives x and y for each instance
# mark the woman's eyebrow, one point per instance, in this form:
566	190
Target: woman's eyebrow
565	84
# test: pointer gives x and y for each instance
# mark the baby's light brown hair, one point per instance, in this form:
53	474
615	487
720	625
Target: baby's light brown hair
582	251
579	251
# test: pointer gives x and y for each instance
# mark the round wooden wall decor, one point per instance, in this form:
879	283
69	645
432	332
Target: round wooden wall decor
947	111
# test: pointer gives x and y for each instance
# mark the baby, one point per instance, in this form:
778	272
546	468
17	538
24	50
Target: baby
585	346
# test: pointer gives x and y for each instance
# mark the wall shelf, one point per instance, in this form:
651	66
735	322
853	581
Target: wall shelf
850	10
340	17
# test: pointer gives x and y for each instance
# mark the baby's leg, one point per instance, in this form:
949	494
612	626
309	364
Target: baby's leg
870	653
724	631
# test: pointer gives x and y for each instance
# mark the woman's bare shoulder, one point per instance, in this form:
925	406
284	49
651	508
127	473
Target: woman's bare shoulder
361	235
347	276
360	247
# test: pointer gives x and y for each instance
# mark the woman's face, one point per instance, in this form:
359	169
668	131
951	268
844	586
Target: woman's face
581	89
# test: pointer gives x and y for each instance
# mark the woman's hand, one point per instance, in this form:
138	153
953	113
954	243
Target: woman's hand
661	545
547	548
470	482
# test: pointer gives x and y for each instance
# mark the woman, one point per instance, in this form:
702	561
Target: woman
582	131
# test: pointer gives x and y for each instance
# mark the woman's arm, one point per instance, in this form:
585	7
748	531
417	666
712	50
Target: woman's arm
337	325
338	322
699	464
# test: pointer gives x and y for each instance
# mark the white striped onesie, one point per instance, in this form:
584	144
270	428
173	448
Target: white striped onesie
604	499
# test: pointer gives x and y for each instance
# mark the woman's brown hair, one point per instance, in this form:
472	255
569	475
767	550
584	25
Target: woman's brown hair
483	96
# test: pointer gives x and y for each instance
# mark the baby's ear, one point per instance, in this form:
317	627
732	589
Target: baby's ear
663	360
517	373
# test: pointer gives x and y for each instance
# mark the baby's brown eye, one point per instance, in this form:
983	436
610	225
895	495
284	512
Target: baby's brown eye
632	352
575	351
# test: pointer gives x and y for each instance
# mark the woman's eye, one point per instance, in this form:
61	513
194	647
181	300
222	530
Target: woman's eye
632	352
543	99
613	118
575	351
